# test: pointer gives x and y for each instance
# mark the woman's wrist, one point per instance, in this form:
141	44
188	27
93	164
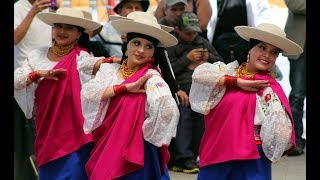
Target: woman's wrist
107	60
230	81
119	89
34	76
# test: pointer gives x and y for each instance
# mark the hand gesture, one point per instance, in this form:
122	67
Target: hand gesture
135	87
51	74
252	85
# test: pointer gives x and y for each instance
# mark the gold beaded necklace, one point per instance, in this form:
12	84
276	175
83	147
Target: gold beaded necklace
126	71
243	72
62	50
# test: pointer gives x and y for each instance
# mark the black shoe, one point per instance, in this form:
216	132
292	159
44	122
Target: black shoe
188	166
297	151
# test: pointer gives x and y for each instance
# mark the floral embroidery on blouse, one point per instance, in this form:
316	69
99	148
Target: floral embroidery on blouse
158	85
267	97
267	100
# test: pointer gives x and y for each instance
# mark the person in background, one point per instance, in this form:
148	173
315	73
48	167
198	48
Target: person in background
191	51
201	8
96	47
248	120
110	38
50	78
173	10
296	30
26	38
234	13
129	108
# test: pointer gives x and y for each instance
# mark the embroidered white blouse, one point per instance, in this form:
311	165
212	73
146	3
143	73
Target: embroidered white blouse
162	114
38	60
275	123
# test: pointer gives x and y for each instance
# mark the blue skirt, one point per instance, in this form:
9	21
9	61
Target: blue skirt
258	169
70	167
151	168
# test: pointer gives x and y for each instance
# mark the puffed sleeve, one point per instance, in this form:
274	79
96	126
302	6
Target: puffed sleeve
85	64
24	94
276	127
93	107
162	113
205	93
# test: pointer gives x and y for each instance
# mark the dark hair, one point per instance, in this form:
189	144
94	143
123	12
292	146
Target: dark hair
132	35
83	41
254	42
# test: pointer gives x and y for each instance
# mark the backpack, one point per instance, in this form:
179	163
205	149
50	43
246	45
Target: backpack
226	41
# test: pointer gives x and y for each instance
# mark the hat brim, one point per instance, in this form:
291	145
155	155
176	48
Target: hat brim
52	18
163	27
287	46
124	26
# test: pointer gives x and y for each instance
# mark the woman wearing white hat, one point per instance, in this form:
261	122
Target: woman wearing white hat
129	107
248	121
50	80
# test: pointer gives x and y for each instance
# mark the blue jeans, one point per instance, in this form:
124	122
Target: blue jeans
189	131
297	78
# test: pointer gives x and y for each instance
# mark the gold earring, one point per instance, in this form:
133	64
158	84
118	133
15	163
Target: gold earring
248	58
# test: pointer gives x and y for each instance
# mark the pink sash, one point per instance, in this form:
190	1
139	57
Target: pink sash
59	120
119	142
230	135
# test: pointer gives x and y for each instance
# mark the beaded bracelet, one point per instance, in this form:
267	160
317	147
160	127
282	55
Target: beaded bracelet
119	89
34	76
107	60
230	81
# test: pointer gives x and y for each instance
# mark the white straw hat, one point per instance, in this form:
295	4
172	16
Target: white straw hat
70	16
271	34
117	17
144	23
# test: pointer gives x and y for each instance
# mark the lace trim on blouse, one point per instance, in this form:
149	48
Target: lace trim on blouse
38	60
276	126
162	114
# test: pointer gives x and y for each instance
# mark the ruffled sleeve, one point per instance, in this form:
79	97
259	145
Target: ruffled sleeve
85	64
276	127
24	94
94	109
205	93
162	115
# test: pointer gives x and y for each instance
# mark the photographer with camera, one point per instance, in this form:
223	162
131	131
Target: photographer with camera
191	51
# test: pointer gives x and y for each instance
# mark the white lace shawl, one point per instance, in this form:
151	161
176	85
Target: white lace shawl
162	114
275	123
38	60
